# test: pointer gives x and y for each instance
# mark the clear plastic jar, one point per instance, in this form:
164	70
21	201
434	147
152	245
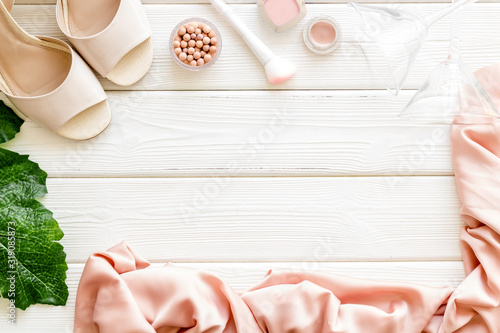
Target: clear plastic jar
322	34
206	65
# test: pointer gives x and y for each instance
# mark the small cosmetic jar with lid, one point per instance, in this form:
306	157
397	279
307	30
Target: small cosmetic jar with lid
322	34
195	44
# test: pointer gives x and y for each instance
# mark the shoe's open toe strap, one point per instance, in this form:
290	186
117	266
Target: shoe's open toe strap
8	4
79	91
128	29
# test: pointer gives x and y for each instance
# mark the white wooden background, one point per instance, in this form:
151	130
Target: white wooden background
220	170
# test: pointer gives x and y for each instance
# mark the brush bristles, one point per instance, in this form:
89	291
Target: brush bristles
279	70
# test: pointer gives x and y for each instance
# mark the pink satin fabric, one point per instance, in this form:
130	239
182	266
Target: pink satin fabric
120	292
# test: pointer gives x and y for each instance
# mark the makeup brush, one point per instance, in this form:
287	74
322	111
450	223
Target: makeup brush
277	69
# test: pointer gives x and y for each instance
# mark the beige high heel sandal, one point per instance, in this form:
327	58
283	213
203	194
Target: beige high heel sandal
113	36
49	83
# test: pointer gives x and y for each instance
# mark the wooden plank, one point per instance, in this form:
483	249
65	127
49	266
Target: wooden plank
309	2
261	219
241	276
238	69
301	133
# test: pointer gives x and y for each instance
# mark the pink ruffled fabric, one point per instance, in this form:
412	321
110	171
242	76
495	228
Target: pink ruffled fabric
120	292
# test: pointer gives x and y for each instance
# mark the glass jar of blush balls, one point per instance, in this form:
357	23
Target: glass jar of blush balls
195	44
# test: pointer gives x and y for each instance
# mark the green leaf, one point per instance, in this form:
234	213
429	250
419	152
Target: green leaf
10	123
30	255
